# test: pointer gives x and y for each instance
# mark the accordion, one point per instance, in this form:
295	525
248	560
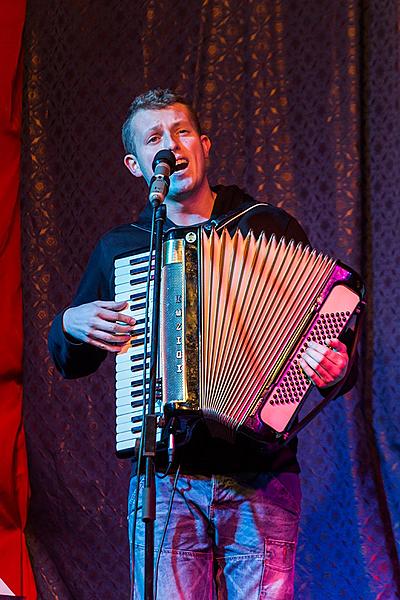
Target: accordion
236	315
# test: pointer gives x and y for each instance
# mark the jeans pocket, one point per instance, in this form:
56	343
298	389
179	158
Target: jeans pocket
279	554
278	572
286	491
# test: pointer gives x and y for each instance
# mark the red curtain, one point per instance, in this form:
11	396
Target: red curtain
15	569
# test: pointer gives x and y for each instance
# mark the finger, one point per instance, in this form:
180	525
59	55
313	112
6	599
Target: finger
98	335
111	304
328	373
114	327
337	345
315	378
313	360
317	348
112	316
327	357
330	348
105	346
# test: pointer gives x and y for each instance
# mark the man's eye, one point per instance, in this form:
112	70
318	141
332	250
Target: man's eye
183	131
152	139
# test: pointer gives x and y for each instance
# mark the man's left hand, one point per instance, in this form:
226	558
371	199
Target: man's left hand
326	364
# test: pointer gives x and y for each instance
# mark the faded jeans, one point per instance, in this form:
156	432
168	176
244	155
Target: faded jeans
229	537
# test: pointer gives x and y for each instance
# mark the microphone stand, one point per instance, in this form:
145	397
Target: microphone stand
164	163
149	446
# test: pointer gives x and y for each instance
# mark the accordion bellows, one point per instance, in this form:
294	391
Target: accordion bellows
237	313
256	304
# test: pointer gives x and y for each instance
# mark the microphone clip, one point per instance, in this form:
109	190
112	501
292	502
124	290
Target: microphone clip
159	186
163	166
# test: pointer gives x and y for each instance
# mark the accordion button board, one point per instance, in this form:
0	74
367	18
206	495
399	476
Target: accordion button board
282	401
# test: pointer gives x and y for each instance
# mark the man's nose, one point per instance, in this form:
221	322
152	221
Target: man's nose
171	142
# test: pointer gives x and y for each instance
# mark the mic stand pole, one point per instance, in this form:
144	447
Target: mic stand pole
149	452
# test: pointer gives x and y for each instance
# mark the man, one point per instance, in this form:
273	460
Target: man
232	531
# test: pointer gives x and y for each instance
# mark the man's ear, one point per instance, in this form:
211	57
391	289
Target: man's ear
206	143
131	163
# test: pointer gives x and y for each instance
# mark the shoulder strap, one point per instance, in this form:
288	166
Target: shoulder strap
232	216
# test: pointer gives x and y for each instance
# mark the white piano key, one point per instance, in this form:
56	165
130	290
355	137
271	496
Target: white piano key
123	405
126	435
135	376
132	351
125	369
130	420
128	271
124	408
135	287
126	445
127	391
139	288
131	289
135	414
126	260
127	442
123	382
133	356
123	365
137	386
124	428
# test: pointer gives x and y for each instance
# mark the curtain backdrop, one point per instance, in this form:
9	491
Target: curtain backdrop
301	100
15	569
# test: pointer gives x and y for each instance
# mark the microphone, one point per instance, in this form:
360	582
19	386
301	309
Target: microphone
163	166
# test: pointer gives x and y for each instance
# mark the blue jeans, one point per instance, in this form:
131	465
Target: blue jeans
229	537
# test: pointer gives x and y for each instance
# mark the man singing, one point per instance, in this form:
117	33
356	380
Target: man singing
232	531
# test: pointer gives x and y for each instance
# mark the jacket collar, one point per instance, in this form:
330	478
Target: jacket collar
227	201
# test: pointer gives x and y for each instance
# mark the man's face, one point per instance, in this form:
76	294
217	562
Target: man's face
170	128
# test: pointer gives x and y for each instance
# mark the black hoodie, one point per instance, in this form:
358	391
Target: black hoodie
202	454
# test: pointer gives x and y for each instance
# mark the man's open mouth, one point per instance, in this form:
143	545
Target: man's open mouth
181	164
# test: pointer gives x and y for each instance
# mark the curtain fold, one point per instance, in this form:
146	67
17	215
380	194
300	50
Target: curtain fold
15	568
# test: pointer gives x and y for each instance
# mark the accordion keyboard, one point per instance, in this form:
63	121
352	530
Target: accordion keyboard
130	286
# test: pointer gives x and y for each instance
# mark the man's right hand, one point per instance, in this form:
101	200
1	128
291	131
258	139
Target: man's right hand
96	323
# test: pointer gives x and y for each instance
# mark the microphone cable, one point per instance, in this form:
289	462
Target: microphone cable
175	485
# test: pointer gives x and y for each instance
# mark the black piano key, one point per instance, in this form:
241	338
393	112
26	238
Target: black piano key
138	270
136	403
138	342
139	321
140	259
136	368
138	332
136	429
138	384
138	296
139	280
136	357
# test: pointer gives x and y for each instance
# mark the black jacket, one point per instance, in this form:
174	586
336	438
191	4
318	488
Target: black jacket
202	454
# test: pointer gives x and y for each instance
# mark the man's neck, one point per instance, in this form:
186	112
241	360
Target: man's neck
196	208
